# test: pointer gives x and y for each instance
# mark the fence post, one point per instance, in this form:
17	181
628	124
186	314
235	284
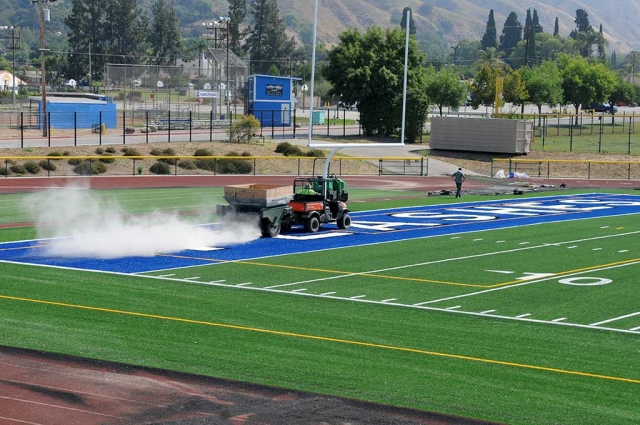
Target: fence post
75	128
190	120
147	125
294	122
629	144
100	132
211	125
49	129
600	130
169	128
22	129
571	134
124	127
328	121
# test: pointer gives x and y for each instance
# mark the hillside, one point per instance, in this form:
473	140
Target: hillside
440	24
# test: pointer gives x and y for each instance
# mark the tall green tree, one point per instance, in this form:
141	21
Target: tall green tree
164	34
444	88
237	13
514	90
535	22
483	88
543	84
368	69
87	43
511	34
584	82
267	42
556	28
125	29
489	39
403	21
601	44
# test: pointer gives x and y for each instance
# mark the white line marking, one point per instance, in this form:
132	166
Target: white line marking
604	227
486	312
192	278
635	329
524	243
616	318
572	247
422	303
456	237
596	249
19	421
217	281
357	297
327	293
624	250
446	260
500	271
167	275
500	241
477	239
524	315
559	319
454	307
244	284
62	407
299	290
389	300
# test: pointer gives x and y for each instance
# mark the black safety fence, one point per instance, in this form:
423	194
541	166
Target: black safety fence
76	128
113	161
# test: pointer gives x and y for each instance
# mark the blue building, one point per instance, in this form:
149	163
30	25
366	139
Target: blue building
271	99
66	110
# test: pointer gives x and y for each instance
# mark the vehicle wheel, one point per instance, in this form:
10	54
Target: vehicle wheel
285	227
312	225
270	230
344	222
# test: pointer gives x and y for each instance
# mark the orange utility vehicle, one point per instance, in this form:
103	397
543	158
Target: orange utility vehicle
313	201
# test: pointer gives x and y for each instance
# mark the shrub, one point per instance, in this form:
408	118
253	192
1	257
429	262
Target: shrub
32	167
131	152
316	153
187	164
160	168
66	153
169	152
234	166
205	164
110	149
287	149
244	129
18	169
156	152
86	168
203	152
99	151
75	161
48	165
107	159
55	153
4	171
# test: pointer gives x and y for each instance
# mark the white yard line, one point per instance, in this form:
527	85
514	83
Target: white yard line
523	315
446	260
487	312
615	318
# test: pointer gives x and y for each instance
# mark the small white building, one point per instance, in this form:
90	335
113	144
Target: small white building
7	79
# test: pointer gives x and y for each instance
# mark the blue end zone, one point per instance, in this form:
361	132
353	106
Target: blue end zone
368	227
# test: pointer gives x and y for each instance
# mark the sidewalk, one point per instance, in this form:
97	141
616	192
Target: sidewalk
435	167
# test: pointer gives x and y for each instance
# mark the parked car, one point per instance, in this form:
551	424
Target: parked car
343	105
137	83
600	107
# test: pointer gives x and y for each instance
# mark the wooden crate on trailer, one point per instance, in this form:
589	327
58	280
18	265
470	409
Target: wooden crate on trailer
259	195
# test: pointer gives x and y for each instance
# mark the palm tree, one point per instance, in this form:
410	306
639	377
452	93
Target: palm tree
492	56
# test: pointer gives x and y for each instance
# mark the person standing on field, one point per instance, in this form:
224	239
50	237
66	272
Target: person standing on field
459	177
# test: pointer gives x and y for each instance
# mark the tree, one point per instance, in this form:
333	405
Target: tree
601	44
543	84
368	69
514	90
86	39
623	91
164	34
489	39
444	88
511	34
237	13
125	30
535	22
403	22
483	88
556	28
582	21
490	56
267	42
584	82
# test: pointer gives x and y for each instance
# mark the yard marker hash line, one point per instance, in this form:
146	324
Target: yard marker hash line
328	339
616	318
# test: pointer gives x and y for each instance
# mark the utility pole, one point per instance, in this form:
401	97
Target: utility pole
15	44
45	124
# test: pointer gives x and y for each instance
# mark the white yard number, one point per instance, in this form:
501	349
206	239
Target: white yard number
585	281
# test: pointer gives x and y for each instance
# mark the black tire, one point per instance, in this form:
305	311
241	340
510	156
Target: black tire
344	222
270	230
312	225
285	227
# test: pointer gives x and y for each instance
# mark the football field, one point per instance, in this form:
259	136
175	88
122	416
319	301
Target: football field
521	310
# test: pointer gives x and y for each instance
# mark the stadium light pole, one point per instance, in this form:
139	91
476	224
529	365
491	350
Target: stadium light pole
45	129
